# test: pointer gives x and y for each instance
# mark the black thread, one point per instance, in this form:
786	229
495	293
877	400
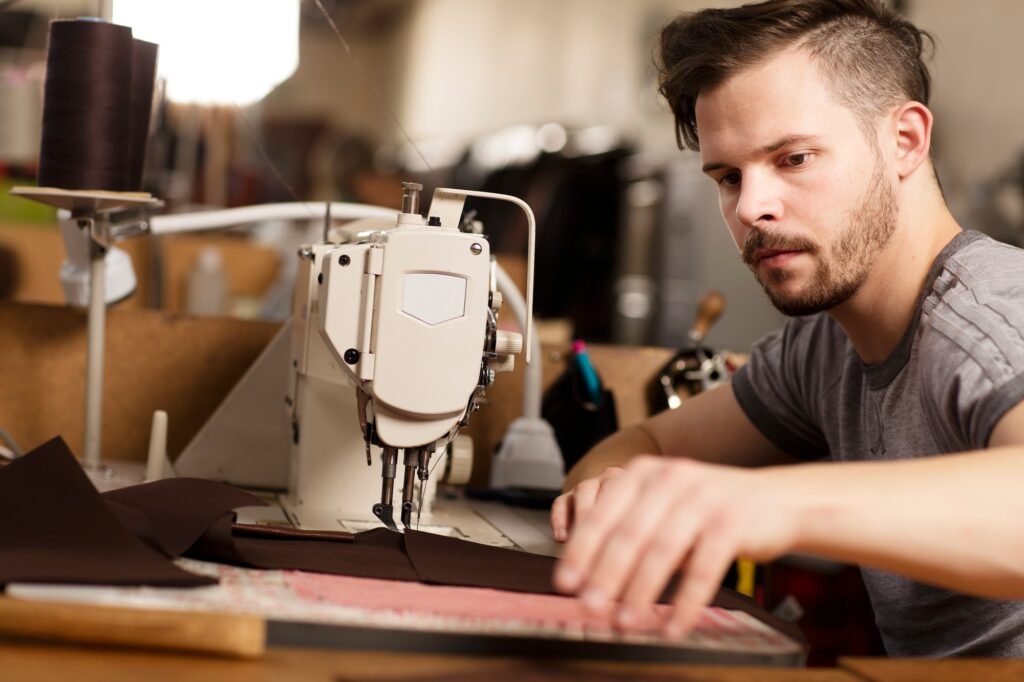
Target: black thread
143	79
95	113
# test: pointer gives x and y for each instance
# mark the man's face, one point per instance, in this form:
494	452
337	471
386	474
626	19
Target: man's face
805	194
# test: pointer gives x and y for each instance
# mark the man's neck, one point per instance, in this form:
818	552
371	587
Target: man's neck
877	315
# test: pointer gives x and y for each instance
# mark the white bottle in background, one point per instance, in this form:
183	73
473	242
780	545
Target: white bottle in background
207	284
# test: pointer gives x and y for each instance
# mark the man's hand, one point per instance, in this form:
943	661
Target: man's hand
634	527
572	507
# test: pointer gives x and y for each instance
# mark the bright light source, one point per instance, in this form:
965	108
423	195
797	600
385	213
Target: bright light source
218	51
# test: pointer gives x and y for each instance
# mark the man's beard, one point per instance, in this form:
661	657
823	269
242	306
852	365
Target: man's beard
841	271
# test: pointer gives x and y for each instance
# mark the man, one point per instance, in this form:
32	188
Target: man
906	341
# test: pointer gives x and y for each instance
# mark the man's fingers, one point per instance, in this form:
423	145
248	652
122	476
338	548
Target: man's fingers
593	524
659	560
711	556
570	507
560	516
659	531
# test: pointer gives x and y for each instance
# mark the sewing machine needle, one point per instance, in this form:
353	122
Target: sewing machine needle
419	505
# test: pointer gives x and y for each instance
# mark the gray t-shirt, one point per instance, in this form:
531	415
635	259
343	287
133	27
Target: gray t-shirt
957	370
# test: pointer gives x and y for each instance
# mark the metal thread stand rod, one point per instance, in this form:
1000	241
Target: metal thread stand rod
94	355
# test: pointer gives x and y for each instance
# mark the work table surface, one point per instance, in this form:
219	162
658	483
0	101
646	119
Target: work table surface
28	661
23	661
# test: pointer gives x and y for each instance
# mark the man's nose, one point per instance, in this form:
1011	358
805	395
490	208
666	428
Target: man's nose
759	201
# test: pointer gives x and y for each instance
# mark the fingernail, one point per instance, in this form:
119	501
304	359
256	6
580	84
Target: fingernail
560	534
594	600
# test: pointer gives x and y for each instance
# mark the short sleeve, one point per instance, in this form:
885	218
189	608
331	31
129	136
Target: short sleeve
774	393
972	346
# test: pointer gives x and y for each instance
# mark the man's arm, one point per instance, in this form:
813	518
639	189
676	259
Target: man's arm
956	521
710	427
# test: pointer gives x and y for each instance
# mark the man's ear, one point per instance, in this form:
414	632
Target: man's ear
912	124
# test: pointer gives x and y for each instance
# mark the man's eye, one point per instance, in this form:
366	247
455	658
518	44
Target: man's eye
730	179
796	159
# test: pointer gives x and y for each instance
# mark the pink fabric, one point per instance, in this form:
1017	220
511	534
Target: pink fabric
483	606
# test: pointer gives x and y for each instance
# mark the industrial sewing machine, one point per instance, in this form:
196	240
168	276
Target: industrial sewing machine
394	341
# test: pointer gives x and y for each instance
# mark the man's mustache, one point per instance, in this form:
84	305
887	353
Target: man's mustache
758	240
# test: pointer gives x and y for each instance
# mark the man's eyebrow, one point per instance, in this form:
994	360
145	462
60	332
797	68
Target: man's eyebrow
767	149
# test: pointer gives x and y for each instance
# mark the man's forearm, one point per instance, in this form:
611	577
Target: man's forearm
709	427
615	450
952	520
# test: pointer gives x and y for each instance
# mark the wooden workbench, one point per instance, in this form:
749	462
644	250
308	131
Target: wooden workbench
953	670
20	662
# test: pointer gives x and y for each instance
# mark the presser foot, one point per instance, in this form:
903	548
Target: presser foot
407	514
386	513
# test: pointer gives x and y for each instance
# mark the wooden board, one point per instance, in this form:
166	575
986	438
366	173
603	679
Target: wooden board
40	662
154	360
250	269
953	670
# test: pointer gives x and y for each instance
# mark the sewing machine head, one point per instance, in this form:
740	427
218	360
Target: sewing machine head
403	320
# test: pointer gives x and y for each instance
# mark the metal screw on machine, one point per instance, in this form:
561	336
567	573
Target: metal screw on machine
351	356
411	197
476	249
344	260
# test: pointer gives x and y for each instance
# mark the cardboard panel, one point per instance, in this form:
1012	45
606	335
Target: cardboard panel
250	268
154	360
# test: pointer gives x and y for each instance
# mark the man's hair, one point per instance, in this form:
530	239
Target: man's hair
871	58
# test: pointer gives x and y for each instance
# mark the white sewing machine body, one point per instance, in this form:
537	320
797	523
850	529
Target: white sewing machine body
393	338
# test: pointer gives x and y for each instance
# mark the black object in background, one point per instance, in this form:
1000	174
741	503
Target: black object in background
578	421
682	377
528	498
578	203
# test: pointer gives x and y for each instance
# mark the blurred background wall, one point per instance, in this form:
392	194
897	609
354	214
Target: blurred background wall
553	101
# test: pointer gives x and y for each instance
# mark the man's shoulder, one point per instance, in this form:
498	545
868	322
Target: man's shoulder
985	267
970	347
975	304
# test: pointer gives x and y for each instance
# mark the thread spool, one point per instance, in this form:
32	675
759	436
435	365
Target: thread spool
143	77
96	105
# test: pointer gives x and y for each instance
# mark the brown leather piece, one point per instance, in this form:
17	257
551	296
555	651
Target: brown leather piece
373	554
449	561
171	515
57	529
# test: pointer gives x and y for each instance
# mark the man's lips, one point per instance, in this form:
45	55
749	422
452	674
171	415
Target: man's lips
775	256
